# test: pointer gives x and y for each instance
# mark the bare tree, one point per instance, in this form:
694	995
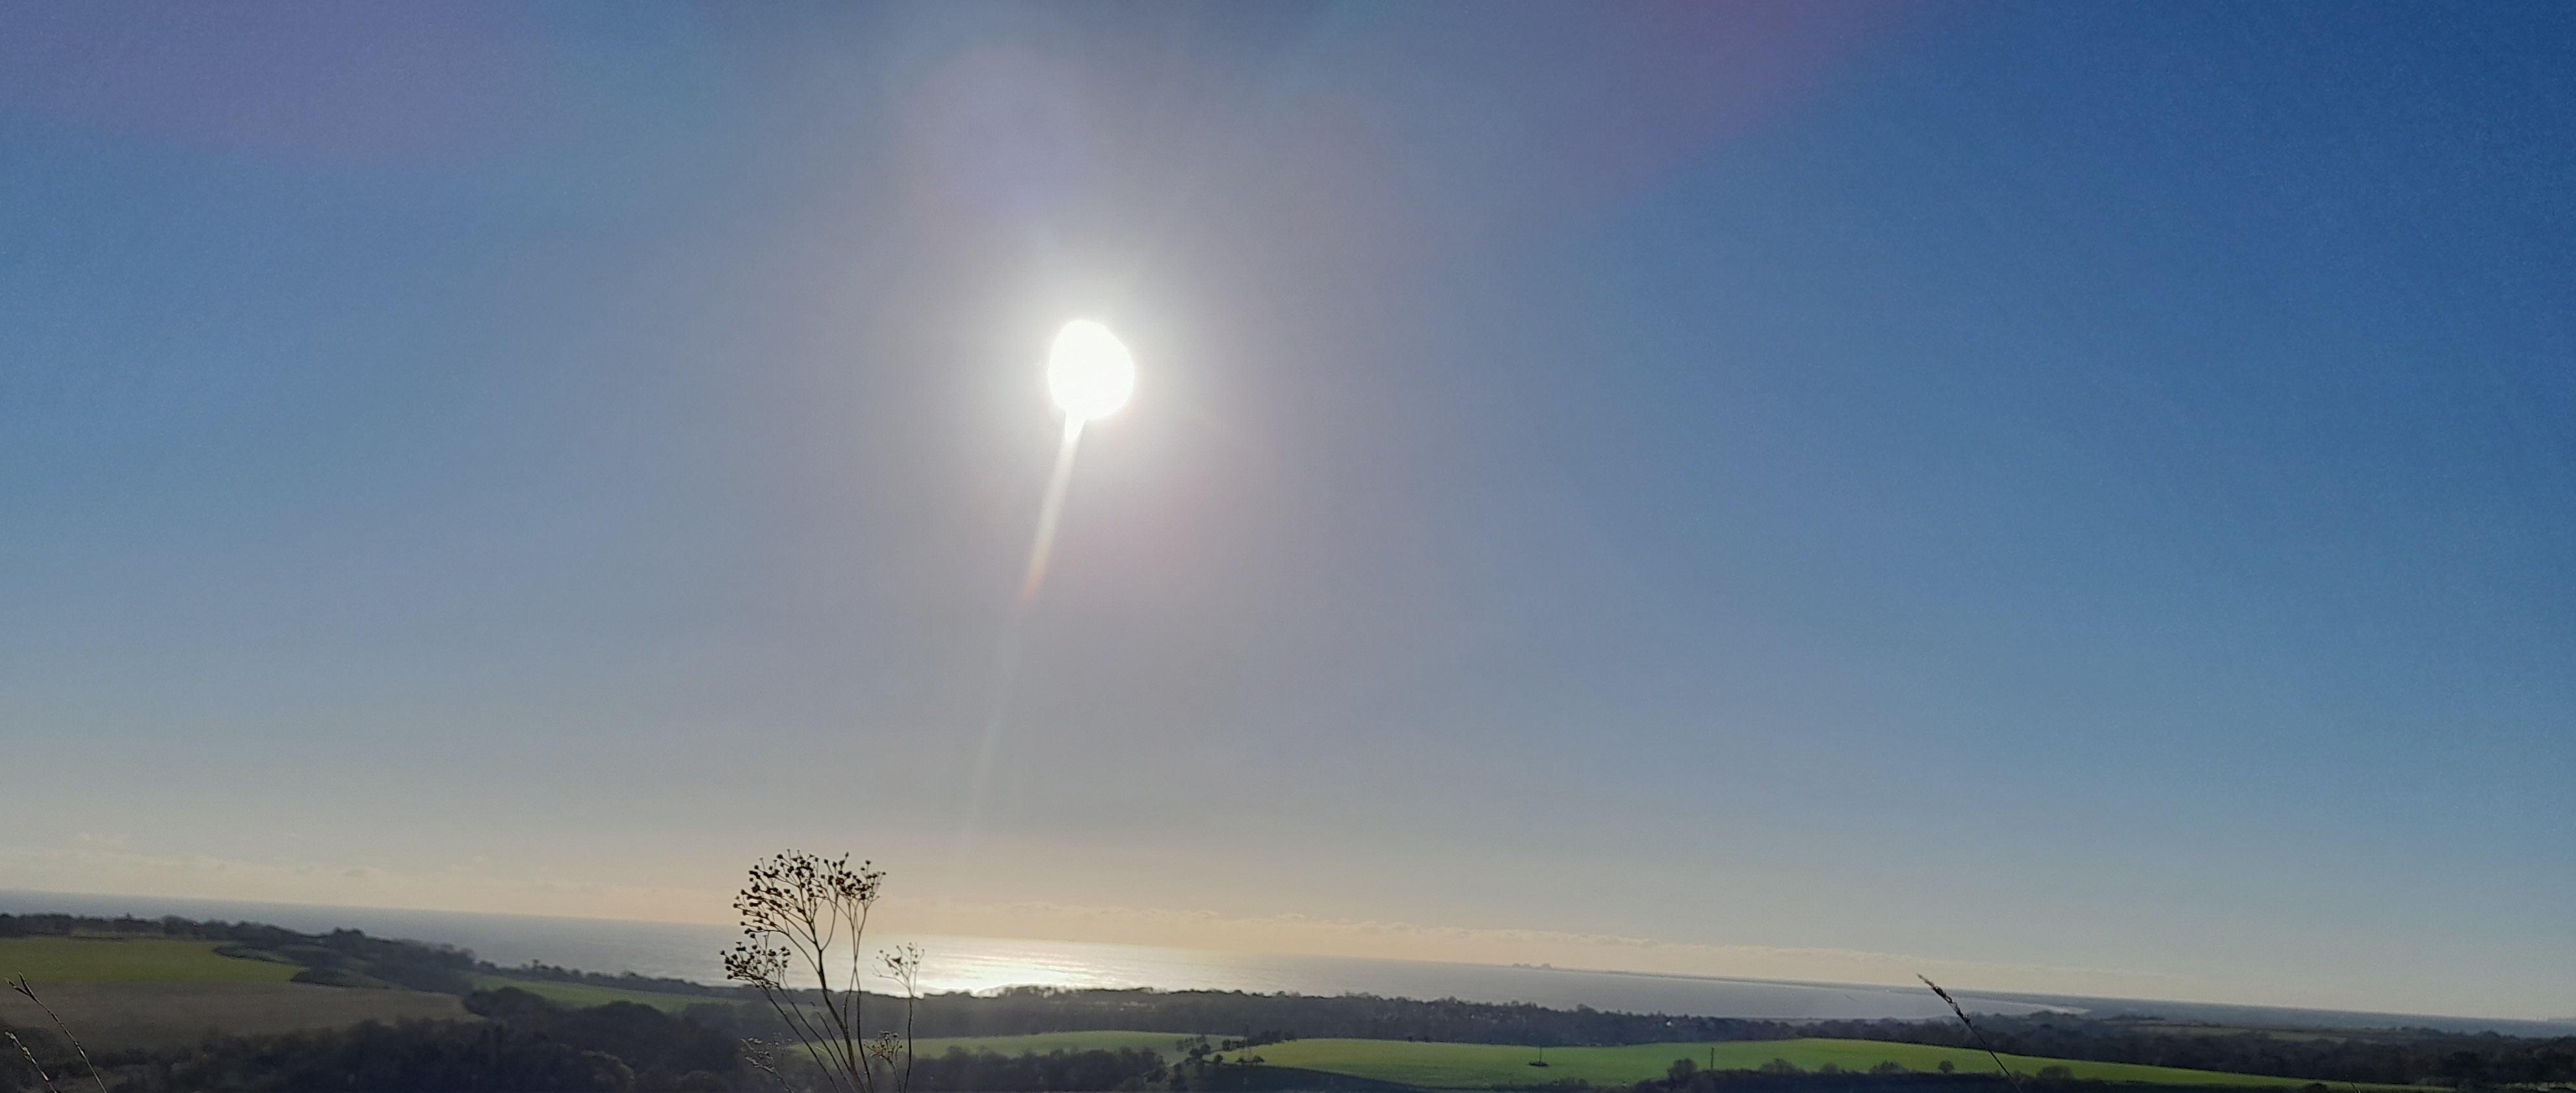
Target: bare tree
798	911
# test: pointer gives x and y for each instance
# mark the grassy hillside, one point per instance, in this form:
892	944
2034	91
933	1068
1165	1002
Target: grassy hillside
1041	1043
131	960
1487	1066
585	994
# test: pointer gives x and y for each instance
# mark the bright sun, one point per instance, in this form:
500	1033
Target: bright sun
1089	372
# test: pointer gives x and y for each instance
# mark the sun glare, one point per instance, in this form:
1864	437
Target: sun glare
1089	371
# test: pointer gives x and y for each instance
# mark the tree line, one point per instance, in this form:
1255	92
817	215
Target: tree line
526	1044
352	958
2397	1056
2392	1056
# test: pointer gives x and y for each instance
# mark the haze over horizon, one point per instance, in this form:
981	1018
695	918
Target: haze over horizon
2067	498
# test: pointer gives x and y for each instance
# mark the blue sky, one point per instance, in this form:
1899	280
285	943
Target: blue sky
2079	496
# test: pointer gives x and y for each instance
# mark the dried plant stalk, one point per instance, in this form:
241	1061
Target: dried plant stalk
795	908
46	1079
1973	1030
21	986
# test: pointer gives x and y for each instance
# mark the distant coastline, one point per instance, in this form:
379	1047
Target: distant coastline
687	951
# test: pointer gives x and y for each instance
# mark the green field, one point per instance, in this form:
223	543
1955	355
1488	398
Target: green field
1488	1066
131	960
1168	1043
581	995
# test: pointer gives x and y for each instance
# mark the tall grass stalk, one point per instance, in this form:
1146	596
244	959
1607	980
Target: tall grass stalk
38	1067
1973	1030
20	986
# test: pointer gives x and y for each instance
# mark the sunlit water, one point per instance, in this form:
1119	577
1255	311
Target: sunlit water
985	963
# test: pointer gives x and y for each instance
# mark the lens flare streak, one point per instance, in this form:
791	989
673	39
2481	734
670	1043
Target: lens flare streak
1006	658
1089	374
1050	511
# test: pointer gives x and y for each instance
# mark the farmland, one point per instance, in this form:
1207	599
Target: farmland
124	987
111	1016
1167	1043
79	959
565	993
1487	1066
144	991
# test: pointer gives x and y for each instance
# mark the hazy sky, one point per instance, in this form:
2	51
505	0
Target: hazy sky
2077	496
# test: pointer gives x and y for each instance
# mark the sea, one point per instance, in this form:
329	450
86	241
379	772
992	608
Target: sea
984	964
